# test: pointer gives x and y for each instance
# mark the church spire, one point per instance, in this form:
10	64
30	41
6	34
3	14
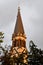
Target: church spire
19	26
18	37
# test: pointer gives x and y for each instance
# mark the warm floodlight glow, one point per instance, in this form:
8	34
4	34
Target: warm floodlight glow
19	37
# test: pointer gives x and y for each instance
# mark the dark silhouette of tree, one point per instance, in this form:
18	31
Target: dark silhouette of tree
1	41
36	55
1	37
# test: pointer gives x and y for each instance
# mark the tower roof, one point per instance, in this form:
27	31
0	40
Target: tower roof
19	26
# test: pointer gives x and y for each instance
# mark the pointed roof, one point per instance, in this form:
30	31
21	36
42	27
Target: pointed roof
19	26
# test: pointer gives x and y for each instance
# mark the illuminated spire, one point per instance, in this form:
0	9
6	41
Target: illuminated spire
18	37
19	26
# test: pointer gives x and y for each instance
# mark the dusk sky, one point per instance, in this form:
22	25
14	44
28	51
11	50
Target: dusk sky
32	18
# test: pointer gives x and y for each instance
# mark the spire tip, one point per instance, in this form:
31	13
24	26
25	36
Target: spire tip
18	8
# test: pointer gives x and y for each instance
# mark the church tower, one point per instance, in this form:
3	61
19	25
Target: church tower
19	42
18	37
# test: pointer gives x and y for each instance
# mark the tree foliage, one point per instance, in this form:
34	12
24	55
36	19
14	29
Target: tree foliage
1	37
34	57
